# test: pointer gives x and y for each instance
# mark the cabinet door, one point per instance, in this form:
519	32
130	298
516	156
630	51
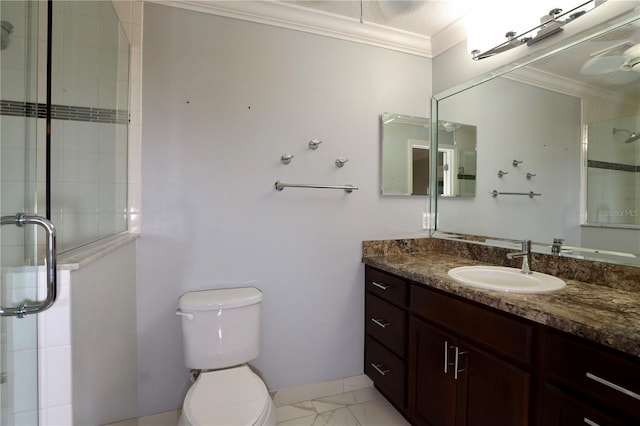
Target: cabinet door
432	388
490	390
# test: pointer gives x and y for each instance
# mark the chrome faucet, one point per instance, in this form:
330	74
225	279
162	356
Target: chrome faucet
525	254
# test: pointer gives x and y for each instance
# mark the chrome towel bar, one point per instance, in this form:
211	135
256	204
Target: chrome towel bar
531	194
279	185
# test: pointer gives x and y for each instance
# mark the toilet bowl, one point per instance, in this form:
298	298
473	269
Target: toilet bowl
230	397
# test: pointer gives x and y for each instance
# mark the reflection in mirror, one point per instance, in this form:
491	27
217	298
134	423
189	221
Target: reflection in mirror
406	157
457	143
613	172
573	121
405	154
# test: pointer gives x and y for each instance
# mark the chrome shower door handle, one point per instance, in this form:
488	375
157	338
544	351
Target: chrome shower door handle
26	308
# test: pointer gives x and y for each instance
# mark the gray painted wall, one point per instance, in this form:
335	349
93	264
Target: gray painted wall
222	101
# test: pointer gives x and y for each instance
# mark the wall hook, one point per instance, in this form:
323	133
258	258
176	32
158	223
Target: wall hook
314	143
515	163
501	173
286	158
530	175
340	161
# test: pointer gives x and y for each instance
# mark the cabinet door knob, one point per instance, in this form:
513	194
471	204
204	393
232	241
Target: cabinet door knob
381	322
381	286
381	369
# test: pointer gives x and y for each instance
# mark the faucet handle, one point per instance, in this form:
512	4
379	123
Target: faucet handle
526	245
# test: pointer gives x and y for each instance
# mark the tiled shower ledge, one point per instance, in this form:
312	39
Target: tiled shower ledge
82	256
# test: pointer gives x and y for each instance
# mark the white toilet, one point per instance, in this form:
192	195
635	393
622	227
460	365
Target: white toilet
221	333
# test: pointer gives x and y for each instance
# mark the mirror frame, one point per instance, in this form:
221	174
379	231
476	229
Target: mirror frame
606	26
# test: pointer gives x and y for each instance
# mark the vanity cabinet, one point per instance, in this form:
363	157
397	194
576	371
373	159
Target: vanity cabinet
588	384
462	369
439	359
386	334
443	360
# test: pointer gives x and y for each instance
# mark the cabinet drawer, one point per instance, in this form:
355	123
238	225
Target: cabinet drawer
562	409
386	286
501	333
386	370
611	377
386	323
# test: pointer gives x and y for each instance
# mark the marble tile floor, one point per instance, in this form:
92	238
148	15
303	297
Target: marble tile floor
364	407
360	407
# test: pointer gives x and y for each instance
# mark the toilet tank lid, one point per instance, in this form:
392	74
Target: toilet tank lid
219	299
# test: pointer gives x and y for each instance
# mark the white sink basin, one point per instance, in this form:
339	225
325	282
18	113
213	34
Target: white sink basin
506	279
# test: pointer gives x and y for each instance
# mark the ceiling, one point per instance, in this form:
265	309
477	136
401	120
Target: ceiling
424	17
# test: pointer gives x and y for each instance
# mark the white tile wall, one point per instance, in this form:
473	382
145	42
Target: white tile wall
42	358
54	357
610	193
130	14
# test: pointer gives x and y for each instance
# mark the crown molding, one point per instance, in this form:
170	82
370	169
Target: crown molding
290	16
567	86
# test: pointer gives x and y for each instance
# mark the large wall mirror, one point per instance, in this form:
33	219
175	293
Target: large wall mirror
558	145
406	153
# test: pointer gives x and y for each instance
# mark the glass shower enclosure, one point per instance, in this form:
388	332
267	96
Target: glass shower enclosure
63	164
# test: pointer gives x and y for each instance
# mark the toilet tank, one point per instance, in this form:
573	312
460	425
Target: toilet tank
220	328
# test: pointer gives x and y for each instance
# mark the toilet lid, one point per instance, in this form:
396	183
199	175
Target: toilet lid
234	396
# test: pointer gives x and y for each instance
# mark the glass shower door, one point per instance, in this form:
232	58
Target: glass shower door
20	129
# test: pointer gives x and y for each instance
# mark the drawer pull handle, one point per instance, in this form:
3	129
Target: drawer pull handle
590	422
381	286
380	369
446	357
457	363
613	386
381	322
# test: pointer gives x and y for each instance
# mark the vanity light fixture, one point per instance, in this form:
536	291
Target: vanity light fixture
550	24
314	143
286	158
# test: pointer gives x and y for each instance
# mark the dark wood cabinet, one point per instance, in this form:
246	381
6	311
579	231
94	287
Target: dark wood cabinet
443	360
386	334
453	382
433	396
588	381
561	409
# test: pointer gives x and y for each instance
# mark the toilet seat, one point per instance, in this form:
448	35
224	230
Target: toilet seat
234	396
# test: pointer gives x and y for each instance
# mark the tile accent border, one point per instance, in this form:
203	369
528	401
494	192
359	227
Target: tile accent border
64	112
462	176
613	166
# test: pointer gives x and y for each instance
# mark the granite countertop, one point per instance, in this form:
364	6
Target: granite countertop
599	313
